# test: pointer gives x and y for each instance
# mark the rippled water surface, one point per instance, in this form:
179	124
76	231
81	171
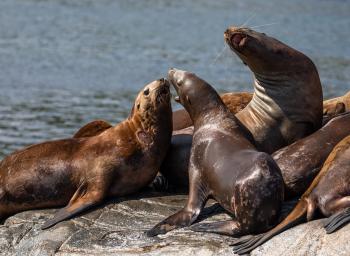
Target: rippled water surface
66	62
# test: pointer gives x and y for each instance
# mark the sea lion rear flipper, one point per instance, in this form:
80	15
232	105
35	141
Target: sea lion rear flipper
82	200
337	221
245	245
92	129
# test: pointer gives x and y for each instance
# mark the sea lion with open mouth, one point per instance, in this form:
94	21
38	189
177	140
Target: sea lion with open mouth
329	193
225	165
81	172
287	100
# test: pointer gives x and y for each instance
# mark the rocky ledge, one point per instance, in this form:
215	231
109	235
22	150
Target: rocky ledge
118	228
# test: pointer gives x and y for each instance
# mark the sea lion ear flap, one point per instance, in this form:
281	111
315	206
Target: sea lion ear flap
144	137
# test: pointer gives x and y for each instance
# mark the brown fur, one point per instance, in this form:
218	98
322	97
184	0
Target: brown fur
81	172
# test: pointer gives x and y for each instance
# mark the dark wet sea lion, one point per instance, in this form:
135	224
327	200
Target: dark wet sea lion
224	165
92	129
328	194
81	172
301	161
234	101
287	100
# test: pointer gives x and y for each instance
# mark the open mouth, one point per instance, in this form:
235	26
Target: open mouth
238	40
235	38
163	93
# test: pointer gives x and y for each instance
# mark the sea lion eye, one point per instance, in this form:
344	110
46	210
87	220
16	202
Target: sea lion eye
146	92
138	106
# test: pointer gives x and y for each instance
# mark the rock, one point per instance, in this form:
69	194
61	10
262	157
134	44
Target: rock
118	228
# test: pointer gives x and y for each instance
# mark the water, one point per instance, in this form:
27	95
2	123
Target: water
64	63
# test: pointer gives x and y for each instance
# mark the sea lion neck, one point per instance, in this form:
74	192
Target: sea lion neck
214	114
157	126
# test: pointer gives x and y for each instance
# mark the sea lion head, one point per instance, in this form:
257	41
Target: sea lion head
262	53
195	94
152	106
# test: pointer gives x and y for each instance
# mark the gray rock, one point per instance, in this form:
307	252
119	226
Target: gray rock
118	228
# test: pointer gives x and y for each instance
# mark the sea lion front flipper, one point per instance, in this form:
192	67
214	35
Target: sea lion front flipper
182	218
82	200
185	217
92	129
228	228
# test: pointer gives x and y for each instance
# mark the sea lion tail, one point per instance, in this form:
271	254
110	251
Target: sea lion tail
245	245
337	221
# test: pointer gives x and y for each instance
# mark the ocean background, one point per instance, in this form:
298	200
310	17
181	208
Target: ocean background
64	63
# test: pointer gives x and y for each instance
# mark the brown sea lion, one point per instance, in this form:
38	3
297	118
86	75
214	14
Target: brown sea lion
287	100
224	165
329	193
92	129
234	101
83	171
337	105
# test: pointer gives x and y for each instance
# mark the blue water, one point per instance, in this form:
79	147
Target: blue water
66	62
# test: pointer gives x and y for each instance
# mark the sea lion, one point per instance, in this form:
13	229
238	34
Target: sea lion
301	161
83	171
92	129
329	193
337	105
234	101
287	101
225	165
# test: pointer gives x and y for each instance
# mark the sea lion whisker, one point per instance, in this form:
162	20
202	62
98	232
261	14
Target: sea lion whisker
249	19
264	25
219	55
